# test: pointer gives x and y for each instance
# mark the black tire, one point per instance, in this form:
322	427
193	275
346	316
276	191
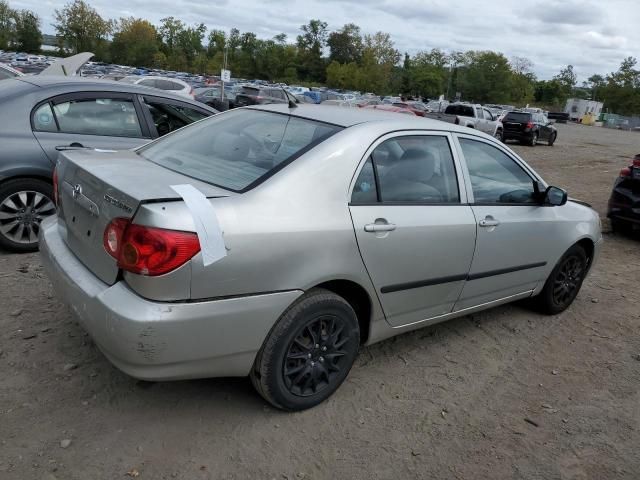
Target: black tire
552	139
316	326
534	140
27	218
564	282
498	136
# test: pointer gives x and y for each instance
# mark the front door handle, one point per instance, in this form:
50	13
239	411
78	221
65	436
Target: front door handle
380	227
489	221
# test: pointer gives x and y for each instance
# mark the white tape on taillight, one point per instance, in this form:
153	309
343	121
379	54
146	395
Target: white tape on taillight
206	222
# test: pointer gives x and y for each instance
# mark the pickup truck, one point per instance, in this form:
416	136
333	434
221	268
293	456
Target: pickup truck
472	116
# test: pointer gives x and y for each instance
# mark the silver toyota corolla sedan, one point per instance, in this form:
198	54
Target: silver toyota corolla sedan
274	241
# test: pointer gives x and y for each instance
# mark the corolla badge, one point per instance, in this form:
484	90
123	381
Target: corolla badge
117	203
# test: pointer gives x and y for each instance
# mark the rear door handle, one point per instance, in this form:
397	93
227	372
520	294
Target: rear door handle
380	227
489	221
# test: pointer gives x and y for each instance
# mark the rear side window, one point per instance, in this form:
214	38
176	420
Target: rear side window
409	169
517	117
238	149
98	116
43	120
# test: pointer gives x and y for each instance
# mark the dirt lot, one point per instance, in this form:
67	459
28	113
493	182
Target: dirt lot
502	394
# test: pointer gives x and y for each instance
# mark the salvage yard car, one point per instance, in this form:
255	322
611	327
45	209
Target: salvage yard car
529	128
39	115
339	227
624	202
471	116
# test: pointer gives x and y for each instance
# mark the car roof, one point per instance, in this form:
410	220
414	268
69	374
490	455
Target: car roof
91	84
347	117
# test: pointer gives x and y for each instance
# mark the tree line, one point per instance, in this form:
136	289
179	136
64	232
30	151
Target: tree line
345	58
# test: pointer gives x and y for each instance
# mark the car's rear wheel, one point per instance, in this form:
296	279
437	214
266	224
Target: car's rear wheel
563	285
308	353
499	136
534	140
552	139
24	203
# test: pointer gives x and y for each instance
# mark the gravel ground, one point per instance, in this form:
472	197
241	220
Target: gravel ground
506	393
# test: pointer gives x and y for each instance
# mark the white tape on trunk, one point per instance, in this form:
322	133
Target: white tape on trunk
206	222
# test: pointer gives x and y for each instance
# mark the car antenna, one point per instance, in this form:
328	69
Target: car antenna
292	104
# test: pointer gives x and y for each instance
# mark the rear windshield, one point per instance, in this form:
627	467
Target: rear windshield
238	149
462	110
517	117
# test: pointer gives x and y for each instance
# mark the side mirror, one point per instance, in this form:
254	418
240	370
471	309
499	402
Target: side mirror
555	196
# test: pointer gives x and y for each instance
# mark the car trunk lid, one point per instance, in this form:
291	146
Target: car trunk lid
94	187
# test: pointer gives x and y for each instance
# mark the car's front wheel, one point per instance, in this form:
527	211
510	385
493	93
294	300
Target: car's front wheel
24	203
563	285
308	353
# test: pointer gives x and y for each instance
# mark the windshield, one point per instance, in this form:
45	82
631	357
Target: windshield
238	149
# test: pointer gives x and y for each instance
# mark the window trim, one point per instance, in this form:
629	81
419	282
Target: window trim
457	165
88	95
510	154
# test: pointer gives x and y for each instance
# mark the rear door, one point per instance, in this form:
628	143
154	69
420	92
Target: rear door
103	120
516	235
415	232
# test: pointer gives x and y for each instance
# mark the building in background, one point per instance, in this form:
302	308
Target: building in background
578	108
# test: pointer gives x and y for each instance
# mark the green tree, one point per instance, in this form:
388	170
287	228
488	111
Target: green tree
310	44
345	45
81	28
7	25
622	91
486	77
28	34
567	79
135	42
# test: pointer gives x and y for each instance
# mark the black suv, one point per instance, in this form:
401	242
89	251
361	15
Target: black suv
528	128
259	95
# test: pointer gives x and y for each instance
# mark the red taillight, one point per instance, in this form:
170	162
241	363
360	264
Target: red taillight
148	250
530	125
55	186
625	172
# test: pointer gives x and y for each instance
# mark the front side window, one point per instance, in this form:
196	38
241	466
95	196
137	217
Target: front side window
112	117
237	149
412	169
496	177
168	117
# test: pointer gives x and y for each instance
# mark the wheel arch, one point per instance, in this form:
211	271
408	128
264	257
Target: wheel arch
358	297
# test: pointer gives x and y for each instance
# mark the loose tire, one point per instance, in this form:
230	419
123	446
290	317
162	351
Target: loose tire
564	282
24	203
308	353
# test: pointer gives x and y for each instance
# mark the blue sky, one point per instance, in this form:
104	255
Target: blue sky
594	36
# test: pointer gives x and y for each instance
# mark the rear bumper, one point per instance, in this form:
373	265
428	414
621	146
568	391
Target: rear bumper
156	340
522	136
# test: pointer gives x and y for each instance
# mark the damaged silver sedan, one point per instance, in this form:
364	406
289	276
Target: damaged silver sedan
274	241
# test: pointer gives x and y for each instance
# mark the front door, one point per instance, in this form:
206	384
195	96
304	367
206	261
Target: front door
415	232
95	120
516	234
